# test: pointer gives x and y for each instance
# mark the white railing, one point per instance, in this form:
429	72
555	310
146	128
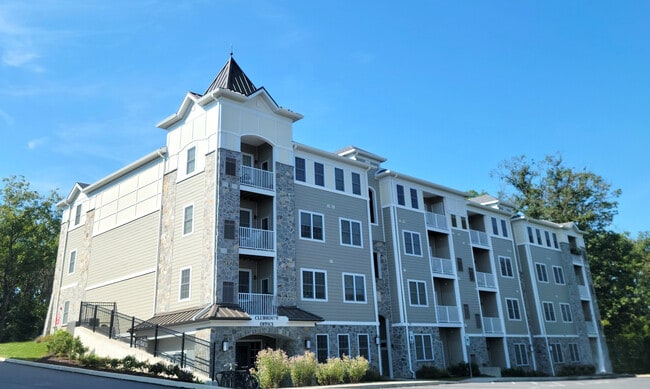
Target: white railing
486	280
479	238
256	239
577	260
591	328
442	266
256	177
447	314
258	304
492	325
584	292
436	220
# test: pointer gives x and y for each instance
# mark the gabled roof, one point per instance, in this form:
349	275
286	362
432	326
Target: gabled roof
231	77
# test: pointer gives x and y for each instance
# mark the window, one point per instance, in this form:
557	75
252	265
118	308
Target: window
412	243
506	267
530	235
314	285
371	205
459	264
351	233
301	174
376	266
322	348
354	288
470	273
556	353
495	226
66	313
311	226
414	198
184	292
229	229
188	219
549	311
555	241
363	342
566	313
231	166
423	348
338	179
454	223
504	228
559	275
190	165
521	354
77	215
542	276
463	222
574	352
400	195
418	293
245	282
319	174
466	311
548	238
513	309
72	262
539	236
344	345
356	183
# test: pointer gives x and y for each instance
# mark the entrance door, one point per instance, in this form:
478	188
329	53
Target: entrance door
384	348
245	281
246	353
245	217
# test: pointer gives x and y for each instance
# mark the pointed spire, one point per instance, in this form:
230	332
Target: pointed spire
231	77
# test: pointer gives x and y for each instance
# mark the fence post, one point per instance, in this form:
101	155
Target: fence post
213	351
132	331
110	327
95	318
155	342
81	309
183	350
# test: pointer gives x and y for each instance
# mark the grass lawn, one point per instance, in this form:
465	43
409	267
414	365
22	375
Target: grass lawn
23	350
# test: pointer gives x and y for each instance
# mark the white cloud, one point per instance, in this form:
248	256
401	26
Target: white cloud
34	143
16	43
6	117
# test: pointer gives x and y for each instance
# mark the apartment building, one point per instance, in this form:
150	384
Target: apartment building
234	233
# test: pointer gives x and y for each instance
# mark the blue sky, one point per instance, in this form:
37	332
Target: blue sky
445	90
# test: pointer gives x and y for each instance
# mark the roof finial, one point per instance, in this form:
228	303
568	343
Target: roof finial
231	50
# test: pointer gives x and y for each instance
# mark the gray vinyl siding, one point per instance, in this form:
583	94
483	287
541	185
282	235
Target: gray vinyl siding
332	257
125	250
528	276
134	296
74	242
509	287
467	288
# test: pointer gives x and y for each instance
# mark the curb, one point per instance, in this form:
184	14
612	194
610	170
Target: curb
106	374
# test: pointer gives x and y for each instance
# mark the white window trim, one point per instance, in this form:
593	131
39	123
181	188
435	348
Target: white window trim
365	289
250	279
521	349
572	347
302	284
180	284
77	214
338	344
404	232
65	315
351	221
566	306
336	169
516	301
187	161
512	268
550	303
316	345
367	336
300	211
183	225
555	275
74	268
352	175
424	337
295	169
426	293
545	272
556	353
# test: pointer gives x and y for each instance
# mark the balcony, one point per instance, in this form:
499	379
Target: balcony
584	292
258	304
447	314
436	220
479	238
591	328
492	325
486	280
256	178
442	266
256	239
577	260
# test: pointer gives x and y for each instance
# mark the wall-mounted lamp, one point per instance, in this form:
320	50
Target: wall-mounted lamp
224	345
307	343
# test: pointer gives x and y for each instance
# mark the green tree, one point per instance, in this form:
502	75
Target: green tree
29	229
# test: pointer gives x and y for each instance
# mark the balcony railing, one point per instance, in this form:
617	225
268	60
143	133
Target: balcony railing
256	239
492	325
479	238
577	259
436	220
256	177
442	266
584	292
486	280
447	314
591	328
258	304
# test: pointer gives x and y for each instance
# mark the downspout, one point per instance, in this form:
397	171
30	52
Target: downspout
374	284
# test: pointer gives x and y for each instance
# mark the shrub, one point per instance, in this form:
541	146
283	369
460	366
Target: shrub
63	344
431	372
372	375
271	367
92	360
130	363
331	373
462	370
303	369
355	368
519	372
573	370
157	368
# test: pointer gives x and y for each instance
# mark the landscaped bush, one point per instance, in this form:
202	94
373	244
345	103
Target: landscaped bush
331	373
303	369
462	370
519	372
271	367
355	368
63	344
372	375
431	372
572	370
93	361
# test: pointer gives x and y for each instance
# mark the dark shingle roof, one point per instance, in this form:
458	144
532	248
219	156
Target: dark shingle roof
224	312
231	77
297	314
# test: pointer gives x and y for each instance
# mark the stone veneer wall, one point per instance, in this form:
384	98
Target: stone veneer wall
56	283
166	249
384	296
285	229
542	355
478	351
208	236
510	344
400	350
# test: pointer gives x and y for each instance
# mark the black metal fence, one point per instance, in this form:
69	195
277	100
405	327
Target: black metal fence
187	351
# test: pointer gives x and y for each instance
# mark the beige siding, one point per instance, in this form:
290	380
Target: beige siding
75	242
134	296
